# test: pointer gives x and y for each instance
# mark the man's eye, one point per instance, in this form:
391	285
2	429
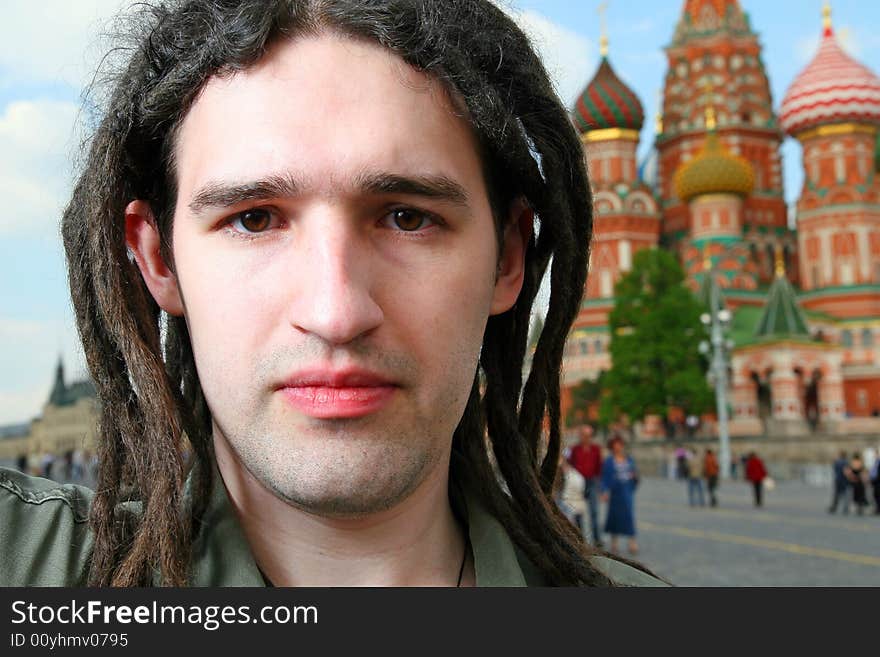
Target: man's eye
256	220
408	220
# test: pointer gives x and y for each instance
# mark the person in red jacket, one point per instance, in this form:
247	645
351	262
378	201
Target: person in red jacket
586	458
756	473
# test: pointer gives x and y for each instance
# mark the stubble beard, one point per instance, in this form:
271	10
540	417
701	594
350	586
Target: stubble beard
339	468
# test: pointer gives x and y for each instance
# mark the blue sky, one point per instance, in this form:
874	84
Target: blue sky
49	49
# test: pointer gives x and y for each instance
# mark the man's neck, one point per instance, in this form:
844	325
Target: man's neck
418	542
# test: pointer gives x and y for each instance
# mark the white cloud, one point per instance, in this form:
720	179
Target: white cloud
55	40
568	56
36	142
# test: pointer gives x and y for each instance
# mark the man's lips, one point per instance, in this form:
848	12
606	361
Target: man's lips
323	394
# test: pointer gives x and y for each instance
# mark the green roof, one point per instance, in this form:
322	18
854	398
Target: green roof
782	316
742	327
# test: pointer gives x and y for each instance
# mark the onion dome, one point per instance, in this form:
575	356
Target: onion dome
607	102
714	171
833	88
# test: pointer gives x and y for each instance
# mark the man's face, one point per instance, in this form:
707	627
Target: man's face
586	435
337	260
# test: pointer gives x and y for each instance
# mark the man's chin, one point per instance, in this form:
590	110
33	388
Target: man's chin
349	500
352	484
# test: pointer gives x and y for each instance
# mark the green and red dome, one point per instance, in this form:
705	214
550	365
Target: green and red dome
607	103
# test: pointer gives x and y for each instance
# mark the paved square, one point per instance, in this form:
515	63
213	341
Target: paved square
791	541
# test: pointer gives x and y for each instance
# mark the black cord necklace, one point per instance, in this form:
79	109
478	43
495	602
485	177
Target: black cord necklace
467	544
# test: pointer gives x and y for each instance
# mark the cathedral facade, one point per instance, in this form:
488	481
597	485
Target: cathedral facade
804	291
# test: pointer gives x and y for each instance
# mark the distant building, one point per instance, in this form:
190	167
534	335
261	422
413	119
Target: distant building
67	423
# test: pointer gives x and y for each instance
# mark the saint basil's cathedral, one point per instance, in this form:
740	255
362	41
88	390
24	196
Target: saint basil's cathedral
805	300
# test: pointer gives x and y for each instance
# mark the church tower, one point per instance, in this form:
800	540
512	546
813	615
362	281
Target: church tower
833	109
714	60
608	115
714	185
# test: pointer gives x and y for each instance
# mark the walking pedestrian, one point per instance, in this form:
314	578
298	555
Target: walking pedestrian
681	463
840	483
710	472
68	465
586	458
695	481
619	481
756	473
857	477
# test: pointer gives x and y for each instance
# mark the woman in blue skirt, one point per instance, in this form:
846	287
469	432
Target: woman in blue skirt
619	480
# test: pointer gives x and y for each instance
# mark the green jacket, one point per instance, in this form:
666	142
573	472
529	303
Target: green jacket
45	540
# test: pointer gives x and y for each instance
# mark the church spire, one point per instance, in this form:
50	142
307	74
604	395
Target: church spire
826	19
603	30
59	389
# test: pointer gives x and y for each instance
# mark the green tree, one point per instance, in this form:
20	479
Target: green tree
655	330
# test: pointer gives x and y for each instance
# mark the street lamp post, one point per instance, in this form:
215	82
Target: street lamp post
717	322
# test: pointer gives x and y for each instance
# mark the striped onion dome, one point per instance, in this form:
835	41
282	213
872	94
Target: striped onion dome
714	171
833	88
607	102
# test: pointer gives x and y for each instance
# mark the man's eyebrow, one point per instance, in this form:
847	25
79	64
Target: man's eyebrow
221	195
435	187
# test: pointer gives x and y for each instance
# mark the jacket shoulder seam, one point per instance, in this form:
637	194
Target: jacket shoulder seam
39	497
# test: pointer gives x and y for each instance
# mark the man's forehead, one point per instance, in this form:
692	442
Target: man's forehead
296	63
332	105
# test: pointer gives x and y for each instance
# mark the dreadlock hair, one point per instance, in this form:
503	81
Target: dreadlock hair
154	426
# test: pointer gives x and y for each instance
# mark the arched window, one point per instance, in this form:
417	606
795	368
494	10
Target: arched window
846	338
624	255
606	283
862	161
839	164
867	338
585	347
597	346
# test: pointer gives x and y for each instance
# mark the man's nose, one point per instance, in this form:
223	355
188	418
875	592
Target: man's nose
334	298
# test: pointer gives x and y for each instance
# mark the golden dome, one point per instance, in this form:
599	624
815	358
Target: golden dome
714	171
